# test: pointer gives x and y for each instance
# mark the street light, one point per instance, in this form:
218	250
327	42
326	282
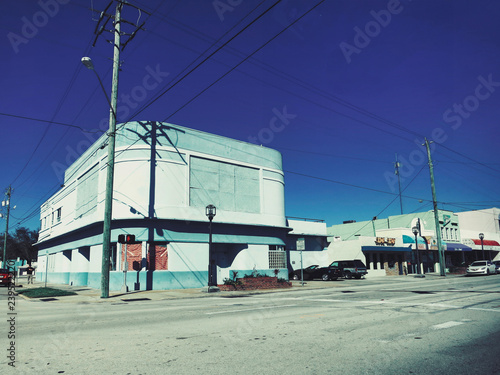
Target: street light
415	232
210	211
87	62
481	237
108	202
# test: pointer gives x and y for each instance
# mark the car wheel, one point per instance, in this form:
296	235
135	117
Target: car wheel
357	276
487	272
347	275
325	277
296	277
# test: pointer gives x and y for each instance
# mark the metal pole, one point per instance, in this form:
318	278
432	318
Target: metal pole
418	258
125	268
301	269
397	165
210	268
436	213
106	235
8	193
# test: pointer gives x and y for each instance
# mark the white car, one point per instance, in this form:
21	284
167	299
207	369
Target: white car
481	267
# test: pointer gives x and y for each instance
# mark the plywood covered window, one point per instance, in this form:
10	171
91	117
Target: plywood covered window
228	186
86	193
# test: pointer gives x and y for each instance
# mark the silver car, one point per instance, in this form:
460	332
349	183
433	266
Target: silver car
481	267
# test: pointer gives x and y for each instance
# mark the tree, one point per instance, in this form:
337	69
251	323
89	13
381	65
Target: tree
21	244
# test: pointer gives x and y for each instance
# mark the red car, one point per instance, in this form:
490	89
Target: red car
5	276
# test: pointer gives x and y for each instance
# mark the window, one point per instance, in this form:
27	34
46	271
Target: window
228	186
58	214
277	257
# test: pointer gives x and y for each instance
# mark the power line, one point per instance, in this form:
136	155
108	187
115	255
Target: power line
202	62
51	122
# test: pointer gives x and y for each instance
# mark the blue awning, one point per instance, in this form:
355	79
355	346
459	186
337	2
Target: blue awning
408	239
385	249
457	247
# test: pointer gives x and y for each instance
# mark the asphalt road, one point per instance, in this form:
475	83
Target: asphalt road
384	326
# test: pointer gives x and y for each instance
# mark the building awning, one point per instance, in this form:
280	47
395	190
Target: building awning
457	247
386	249
409	239
486	242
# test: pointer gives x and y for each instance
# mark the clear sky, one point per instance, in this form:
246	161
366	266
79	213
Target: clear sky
340	92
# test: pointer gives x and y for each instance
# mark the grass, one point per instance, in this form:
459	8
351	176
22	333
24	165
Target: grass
44	292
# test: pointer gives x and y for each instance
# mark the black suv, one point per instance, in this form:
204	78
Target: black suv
351	268
317	272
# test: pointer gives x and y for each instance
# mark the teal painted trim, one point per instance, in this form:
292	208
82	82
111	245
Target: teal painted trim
78	278
56	277
87	241
273	175
158	280
94	280
144	280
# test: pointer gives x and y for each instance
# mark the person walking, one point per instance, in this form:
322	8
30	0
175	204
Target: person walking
29	271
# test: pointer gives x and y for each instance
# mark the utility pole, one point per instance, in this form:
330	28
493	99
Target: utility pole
397	165
6	203
108	202
436	213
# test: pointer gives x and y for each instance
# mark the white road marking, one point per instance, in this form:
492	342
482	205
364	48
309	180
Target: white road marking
252	309
483	309
449	324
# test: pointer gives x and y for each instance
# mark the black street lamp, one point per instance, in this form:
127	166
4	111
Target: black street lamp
210	211
415	232
481	237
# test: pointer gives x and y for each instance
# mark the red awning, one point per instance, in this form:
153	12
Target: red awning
486	242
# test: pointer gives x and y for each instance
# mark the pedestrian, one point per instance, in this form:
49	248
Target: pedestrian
29	272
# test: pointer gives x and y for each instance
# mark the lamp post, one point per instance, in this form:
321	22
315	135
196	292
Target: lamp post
415	232
210	211
481	237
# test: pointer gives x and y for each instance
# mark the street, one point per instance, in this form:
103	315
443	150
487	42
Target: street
392	325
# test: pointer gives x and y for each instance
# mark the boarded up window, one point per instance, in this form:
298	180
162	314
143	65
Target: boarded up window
86	193
229	187
158	258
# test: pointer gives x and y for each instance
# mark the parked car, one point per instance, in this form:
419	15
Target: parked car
497	265
351	268
481	267
317	272
5	276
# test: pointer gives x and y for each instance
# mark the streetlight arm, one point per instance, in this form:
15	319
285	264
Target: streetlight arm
105	94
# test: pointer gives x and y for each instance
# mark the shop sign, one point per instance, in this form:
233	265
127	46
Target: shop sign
385	241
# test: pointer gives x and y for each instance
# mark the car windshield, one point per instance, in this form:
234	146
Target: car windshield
475	264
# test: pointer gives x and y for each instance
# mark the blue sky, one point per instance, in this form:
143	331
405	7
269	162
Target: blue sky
339	93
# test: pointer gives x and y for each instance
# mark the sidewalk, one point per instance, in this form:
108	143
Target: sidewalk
90	295
86	294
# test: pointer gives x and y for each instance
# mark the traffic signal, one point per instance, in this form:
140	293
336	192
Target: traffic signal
126	238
